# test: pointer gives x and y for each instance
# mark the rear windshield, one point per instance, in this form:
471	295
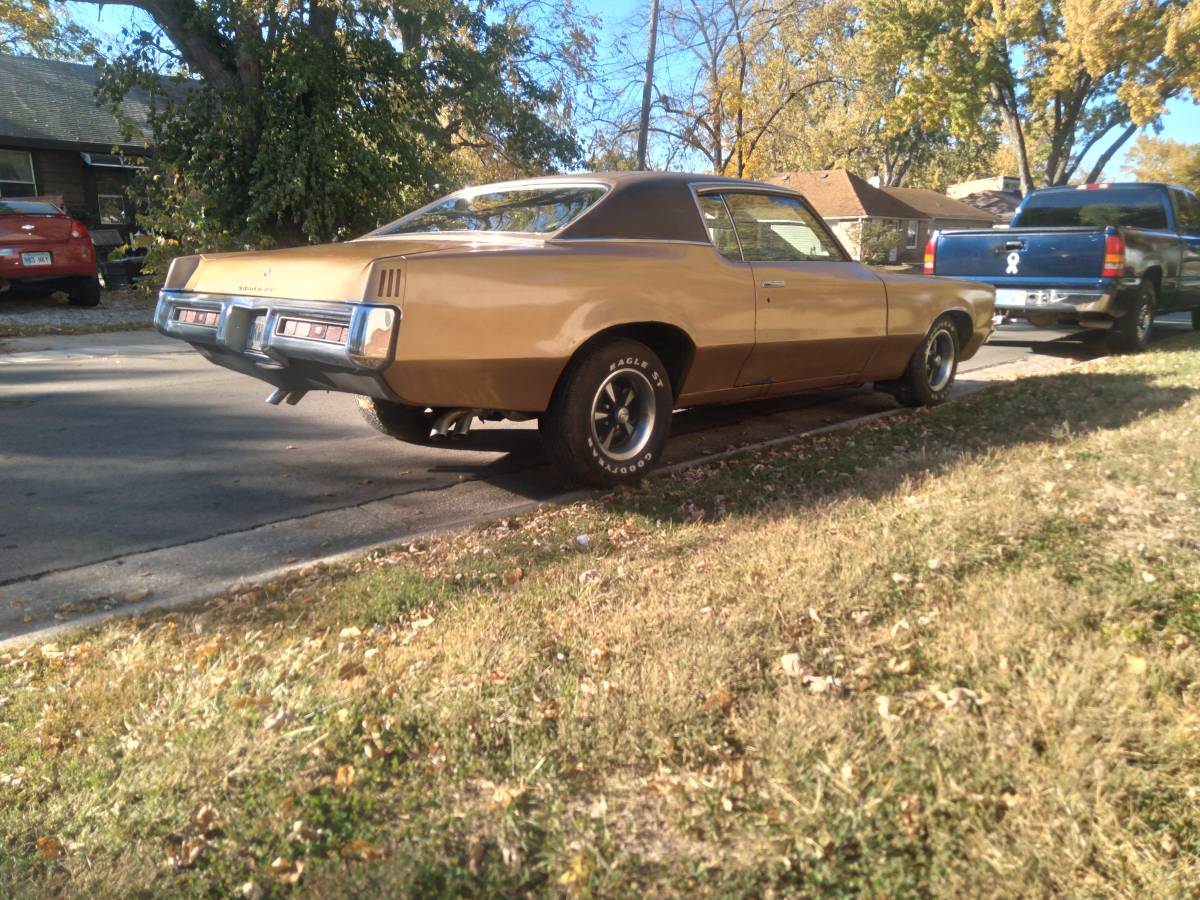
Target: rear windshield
1137	207
28	208
538	210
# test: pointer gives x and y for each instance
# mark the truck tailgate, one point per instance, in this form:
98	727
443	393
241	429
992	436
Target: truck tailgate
1018	254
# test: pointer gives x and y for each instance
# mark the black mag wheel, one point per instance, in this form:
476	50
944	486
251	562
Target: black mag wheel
1131	333
610	415
931	370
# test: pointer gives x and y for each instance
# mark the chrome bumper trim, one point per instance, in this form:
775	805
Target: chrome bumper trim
369	347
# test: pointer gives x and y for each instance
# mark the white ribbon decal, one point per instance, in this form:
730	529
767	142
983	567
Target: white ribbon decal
1014	260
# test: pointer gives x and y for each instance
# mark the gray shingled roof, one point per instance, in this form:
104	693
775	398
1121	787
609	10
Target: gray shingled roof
47	100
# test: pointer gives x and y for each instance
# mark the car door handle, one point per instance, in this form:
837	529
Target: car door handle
774	283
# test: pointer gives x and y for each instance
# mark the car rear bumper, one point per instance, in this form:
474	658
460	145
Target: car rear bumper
67	260
295	345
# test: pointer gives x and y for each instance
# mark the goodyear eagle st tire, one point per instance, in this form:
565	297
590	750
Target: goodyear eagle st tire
610	415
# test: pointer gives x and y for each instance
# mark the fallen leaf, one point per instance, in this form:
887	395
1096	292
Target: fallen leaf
287	871
51	847
362	849
349	632
344	777
512	576
188	851
719	699
791	665
136	596
1136	665
351	668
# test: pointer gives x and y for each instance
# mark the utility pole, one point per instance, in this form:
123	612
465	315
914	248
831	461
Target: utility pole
647	87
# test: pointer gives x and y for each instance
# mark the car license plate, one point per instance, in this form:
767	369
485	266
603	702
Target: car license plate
35	259
254	334
1008	298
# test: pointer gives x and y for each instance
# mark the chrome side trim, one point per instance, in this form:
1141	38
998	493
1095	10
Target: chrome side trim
370	344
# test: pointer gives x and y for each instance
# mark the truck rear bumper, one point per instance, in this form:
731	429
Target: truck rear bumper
295	345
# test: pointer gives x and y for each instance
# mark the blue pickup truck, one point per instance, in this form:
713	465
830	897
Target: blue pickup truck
1106	256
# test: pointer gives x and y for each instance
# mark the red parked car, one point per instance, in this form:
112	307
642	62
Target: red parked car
43	250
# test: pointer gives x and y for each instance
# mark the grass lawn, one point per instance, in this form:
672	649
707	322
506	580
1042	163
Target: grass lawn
953	653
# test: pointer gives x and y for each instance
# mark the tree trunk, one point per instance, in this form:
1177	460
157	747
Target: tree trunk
647	87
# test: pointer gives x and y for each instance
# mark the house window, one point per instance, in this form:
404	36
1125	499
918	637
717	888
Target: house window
910	238
112	209
16	174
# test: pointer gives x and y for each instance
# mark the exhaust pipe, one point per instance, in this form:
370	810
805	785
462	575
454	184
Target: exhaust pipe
278	395
457	421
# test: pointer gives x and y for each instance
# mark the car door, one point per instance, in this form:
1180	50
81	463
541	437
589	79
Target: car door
1188	225
818	314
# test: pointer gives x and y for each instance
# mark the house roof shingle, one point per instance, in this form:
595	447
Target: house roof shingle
838	194
938	206
54	102
1000	204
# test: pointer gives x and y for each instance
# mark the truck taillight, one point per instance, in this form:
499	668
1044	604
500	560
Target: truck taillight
930	253
1114	256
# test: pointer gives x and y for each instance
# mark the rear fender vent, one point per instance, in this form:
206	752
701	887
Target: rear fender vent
389	283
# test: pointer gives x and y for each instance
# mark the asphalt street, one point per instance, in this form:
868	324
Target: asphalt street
131	466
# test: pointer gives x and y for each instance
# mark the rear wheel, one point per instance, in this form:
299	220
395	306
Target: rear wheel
1196	318
930	373
85	292
1131	332
610	415
410	424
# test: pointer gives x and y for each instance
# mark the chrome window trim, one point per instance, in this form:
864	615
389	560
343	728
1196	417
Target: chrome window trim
722	188
237	313
516	185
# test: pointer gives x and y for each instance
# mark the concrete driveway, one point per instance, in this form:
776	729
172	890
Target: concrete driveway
136	472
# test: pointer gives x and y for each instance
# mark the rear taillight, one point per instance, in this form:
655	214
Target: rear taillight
930	253
1114	256
78	232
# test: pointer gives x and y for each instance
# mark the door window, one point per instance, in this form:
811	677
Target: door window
719	226
775	228
1188	211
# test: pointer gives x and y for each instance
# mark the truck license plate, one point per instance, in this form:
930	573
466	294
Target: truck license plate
1008	298
254	334
35	259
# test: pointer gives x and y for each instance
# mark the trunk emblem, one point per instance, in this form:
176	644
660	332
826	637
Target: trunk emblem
1014	263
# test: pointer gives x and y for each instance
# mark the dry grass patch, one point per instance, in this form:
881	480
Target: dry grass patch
952	654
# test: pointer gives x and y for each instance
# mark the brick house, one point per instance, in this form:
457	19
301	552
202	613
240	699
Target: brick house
55	141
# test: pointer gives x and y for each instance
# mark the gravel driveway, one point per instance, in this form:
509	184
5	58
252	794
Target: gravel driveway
118	311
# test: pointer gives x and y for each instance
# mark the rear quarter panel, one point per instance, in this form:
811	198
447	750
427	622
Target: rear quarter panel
915	302
494	327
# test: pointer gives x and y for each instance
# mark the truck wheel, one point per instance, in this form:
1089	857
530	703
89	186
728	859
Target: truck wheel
1131	332
410	424
1196	318
931	371
85	292
610	415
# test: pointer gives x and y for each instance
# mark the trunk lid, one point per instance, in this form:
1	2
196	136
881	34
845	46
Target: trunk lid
1019	253
336	272
33	229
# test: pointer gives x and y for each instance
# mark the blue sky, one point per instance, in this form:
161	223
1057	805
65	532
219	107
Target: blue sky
1181	122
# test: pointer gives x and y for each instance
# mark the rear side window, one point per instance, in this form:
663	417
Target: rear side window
1136	207
1187	210
719	226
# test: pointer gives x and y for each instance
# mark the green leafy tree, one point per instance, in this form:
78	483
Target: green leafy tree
42	28
1064	76
1165	160
293	123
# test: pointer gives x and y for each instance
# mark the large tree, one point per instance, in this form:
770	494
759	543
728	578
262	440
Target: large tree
310	121
41	28
1066	77
1165	160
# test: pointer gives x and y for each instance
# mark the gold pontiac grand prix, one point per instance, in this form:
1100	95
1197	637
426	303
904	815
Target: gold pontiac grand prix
597	304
